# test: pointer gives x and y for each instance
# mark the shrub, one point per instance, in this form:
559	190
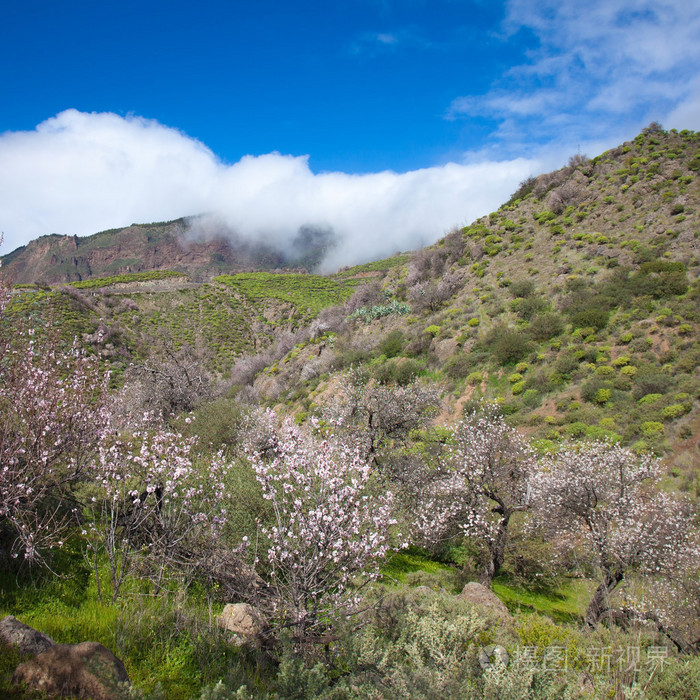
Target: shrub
217	423
518	388
546	326
596	318
566	363
507	344
677	678
473	322
515	377
392	345
675	410
604	371
575	430
602	396
545	216
590	389
651	381
652	429
432	330
522	288
475	378
531	398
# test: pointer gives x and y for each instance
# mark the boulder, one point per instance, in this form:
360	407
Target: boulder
244	620
26	639
482	597
85	670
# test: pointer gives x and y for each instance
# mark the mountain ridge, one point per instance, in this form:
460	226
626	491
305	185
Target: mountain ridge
182	245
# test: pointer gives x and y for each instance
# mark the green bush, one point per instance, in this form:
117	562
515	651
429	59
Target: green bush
566	362
475	378
652	429
531	398
650	381
522	289
678	679
590	389
675	410
398	372
602	396
518	388
596	318
507	344
546	326
575	430
393	344
605	371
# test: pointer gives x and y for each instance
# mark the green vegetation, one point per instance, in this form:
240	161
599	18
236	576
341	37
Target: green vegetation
376	266
308	293
99	282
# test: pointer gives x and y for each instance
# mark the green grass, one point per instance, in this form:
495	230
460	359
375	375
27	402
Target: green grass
163	643
412	560
567	603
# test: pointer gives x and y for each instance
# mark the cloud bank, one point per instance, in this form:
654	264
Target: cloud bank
79	173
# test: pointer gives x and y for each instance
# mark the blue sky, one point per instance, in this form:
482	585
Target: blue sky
388	121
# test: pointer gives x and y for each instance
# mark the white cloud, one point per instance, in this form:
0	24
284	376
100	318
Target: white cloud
602	70
79	173
373	42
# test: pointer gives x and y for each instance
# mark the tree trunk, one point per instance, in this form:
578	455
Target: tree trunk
497	551
599	603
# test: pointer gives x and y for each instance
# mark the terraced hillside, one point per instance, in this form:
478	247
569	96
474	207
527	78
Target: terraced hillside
127	317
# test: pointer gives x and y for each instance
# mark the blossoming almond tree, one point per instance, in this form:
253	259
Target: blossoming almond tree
483	482
600	496
330	529
154	500
51	401
374	415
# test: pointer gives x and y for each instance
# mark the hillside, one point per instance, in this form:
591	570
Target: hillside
575	305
